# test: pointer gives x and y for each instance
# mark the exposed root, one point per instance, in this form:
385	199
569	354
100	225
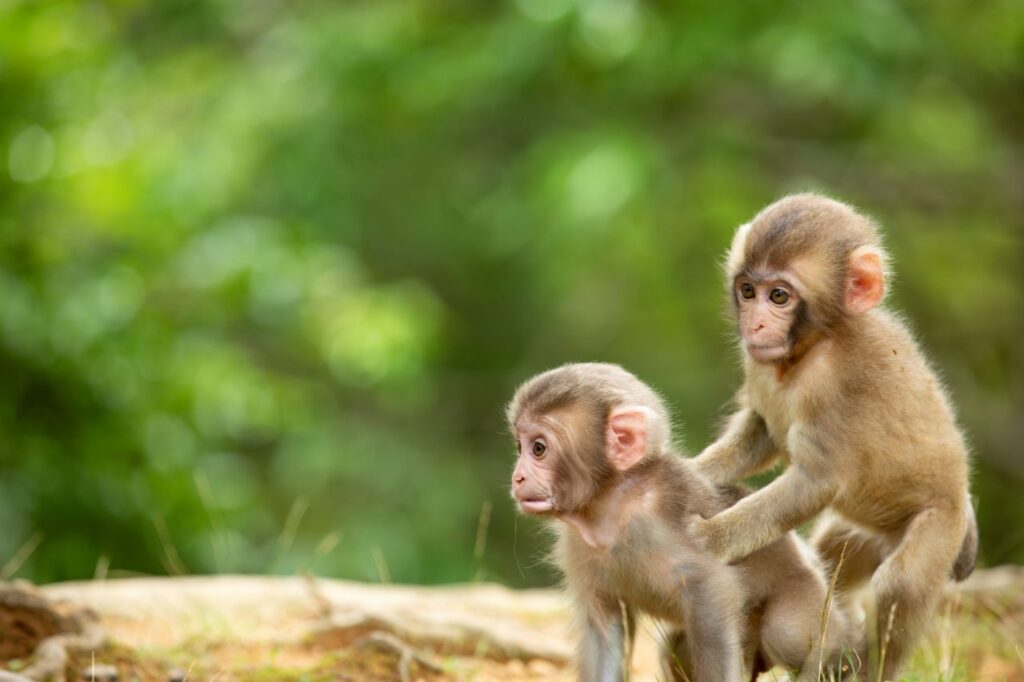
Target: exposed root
44	631
407	655
436	631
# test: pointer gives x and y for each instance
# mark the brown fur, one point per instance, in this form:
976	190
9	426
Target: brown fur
863	420
628	548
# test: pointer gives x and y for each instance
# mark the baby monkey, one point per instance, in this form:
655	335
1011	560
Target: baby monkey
594	452
836	386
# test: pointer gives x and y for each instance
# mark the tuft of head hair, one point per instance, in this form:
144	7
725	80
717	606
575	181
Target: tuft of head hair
810	237
599	388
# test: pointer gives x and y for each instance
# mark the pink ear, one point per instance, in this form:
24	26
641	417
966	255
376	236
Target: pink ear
865	284
627	437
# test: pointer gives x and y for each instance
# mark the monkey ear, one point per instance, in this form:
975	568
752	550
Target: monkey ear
627	437
865	284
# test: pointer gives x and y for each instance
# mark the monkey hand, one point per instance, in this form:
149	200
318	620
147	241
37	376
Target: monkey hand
697	529
706	535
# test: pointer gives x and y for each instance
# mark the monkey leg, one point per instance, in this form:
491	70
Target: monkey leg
676	661
605	646
794	634
862	552
713	625
909	585
608	631
789	628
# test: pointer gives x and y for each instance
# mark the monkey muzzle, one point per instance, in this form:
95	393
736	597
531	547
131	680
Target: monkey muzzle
536	505
767	353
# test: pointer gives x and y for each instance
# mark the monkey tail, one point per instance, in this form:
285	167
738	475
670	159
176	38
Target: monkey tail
968	556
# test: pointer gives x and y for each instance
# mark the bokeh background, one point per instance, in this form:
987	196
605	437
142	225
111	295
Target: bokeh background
270	270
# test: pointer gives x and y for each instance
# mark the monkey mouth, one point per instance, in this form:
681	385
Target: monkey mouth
767	352
541	505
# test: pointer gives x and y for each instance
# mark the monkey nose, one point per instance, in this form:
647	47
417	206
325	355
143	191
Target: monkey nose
518	480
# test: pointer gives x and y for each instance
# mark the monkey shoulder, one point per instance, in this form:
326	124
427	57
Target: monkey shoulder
884	344
886	366
684	491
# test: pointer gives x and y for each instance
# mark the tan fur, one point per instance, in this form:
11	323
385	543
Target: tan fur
864	422
628	548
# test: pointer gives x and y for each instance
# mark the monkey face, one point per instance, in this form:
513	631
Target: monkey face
579	428
533	479
767	310
799	270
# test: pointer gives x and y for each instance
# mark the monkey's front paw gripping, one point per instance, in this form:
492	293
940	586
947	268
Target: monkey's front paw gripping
704	533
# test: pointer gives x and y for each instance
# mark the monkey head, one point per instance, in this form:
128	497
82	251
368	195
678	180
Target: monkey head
578	429
802	266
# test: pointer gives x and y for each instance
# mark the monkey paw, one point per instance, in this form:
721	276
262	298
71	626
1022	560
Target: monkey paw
697	528
705	535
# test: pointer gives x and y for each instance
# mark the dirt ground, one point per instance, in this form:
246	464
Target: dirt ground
252	628
261	628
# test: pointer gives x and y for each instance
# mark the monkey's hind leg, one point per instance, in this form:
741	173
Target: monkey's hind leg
797	634
861	552
909	585
676	661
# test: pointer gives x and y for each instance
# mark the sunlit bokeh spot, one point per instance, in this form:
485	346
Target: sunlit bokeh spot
544	10
600	182
31	155
611	28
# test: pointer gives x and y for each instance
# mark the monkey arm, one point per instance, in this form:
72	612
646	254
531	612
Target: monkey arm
712	624
606	643
743	449
802	491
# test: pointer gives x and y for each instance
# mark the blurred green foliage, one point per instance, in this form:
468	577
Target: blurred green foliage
270	270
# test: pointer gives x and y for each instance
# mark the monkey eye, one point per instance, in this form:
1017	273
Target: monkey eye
779	296
539	448
747	290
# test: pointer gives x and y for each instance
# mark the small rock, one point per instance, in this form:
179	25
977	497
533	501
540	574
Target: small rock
177	675
100	672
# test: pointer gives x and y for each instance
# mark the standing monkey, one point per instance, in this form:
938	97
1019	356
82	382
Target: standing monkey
839	388
594	452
